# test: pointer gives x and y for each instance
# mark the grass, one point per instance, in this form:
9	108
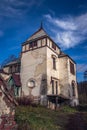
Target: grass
41	118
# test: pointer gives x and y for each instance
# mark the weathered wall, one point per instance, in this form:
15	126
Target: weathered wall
63	76
66	78
50	71
74	99
33	66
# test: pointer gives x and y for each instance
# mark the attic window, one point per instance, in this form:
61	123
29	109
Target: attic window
53	46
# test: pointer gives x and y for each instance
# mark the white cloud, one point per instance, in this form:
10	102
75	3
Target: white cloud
69	31
13	8
66	24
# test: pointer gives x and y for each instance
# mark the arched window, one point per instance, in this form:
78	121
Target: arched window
73	88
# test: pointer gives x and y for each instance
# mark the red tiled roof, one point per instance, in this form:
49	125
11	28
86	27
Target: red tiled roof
16	78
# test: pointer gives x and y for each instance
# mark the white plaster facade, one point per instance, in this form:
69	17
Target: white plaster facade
45	70
38	77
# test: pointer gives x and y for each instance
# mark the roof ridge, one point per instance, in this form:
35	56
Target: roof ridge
40	29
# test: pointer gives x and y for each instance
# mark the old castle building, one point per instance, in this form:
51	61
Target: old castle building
46	73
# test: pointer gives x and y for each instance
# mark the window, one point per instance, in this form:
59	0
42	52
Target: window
72	70
54	62
35	43
43	41
53	46
23	48
30	45
31	83
10	69
54	82
15	68
17	93
56	87
52	86
73	88
18	67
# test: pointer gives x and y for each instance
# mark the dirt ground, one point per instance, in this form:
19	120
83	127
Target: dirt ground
77	122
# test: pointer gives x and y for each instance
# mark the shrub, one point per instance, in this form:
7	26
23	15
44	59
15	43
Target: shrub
25	101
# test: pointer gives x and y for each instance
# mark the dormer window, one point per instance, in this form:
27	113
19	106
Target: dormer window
53	46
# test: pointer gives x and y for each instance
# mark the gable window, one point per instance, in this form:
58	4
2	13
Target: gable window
72	69
53	46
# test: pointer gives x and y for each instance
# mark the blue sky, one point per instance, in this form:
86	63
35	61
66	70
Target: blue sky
64	20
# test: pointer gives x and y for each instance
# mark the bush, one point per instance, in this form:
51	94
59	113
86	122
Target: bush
25	101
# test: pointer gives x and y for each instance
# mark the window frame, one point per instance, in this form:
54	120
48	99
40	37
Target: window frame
54	82
72	68
53	46
53	87
73	89
54	63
